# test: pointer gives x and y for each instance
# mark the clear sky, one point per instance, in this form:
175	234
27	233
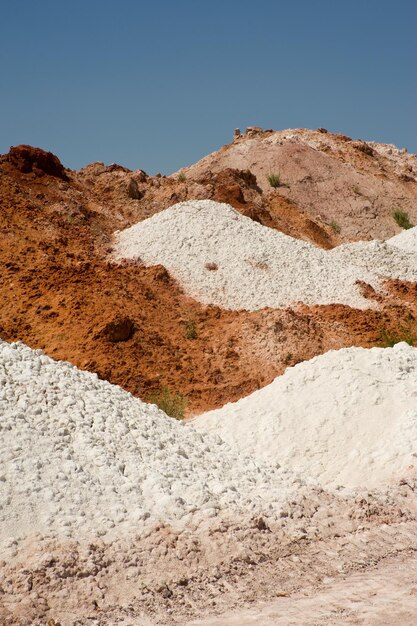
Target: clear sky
158	85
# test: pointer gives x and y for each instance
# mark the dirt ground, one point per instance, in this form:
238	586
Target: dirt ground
332	560
385	595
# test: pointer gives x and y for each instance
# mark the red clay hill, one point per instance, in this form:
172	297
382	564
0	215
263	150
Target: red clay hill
134	325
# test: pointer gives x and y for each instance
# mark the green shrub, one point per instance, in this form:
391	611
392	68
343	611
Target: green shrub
182	177
173	404
402	219
275	180
335	226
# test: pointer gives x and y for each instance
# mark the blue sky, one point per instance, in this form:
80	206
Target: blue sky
159	85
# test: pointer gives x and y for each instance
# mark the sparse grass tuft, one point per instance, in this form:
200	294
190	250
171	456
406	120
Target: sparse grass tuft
181	177
335	226
402	219
275	180
288	358
190	330
173	404
389	338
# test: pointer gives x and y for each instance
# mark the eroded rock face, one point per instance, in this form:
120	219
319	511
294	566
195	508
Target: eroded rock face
234	186
133	190
364	147
28	159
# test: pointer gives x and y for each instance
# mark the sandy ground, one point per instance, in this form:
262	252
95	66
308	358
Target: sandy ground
383	596
232	575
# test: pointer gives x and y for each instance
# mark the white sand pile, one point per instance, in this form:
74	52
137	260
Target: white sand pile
379	257
79	457
406	240
221	257
224	258
348	417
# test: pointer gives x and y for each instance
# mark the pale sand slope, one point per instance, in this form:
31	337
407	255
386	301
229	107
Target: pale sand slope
407	240
110	510
80	457
347	417
222	257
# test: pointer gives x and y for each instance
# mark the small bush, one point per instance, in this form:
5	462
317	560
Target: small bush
173	404
402	219
389	339
275	180
335	226
190	330
181	177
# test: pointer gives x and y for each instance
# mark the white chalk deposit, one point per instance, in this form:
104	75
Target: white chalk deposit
221	257
406	240
348	417
81	457
382	258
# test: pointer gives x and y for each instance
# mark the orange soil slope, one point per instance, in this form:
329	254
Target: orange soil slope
131	324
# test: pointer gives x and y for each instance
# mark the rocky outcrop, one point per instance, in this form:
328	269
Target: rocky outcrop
28	159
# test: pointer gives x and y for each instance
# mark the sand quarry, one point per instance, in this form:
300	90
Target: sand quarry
287	493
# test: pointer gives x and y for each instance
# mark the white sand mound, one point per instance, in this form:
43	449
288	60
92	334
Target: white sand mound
82	457
379	257
406	240
224	258
348	417
221	257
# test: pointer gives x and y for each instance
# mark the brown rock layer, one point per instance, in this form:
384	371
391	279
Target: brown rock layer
27	159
